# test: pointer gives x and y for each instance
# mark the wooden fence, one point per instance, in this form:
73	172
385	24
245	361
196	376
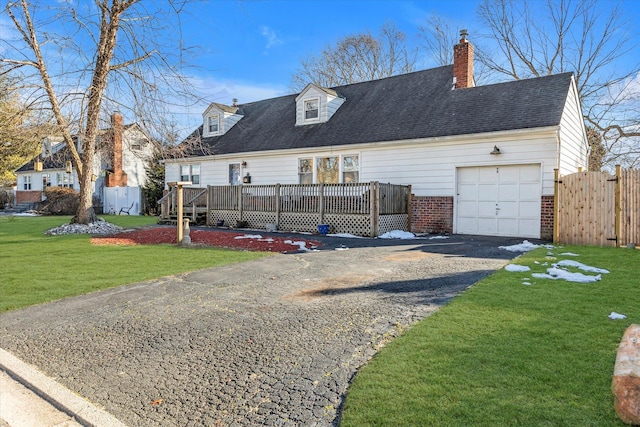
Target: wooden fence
366	209
595	208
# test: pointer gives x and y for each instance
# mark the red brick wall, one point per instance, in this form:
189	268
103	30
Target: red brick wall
546	218
28	196
432	214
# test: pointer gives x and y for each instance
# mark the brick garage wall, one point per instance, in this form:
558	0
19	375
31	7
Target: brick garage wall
431	214
546	218
28	196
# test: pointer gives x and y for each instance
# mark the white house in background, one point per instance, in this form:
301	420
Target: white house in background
119	168
480	159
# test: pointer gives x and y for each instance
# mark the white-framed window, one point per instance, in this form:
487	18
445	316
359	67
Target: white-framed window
65	179
26	182
190	173
235	174
351	168
214	123
46	180
312	109
327	170
305	171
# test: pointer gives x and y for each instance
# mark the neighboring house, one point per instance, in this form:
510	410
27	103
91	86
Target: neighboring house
122	153
480	159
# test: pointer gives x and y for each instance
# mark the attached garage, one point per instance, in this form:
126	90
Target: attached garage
502	200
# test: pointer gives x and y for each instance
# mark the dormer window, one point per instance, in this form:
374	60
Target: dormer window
214	123
311	109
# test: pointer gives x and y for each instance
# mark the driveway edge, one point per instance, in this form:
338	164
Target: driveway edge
56	394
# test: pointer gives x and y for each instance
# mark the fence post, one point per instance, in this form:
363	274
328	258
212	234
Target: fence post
240	202
277	206
321	204
618	206
209	197
408	207
374	194
556	206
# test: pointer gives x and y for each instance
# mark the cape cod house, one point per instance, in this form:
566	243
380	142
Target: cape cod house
118	171
479	159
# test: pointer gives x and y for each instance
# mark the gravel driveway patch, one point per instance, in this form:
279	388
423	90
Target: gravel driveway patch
273	341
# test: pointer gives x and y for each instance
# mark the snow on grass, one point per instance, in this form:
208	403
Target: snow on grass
516	267
580	266
525	246
398	234
249	236
438	237
560	274
616	316
569	254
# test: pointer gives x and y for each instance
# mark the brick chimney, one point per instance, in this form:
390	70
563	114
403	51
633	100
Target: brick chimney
116	177
463	62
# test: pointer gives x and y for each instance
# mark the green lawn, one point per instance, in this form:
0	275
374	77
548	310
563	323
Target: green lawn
507	354
35	268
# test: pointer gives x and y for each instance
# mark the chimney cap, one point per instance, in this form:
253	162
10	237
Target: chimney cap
235	102
463	34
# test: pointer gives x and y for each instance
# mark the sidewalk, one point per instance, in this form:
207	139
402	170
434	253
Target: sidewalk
30	398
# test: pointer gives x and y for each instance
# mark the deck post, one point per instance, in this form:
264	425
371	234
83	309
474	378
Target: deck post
409	207
321	204
239	201
277	191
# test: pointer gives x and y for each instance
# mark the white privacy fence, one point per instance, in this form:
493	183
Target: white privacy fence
122	200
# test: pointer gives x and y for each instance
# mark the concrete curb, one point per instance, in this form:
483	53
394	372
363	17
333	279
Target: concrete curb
54	393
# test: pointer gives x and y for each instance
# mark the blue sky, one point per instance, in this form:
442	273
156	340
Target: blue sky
248	49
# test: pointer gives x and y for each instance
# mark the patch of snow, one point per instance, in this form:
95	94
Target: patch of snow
398	234
560	274
438	237
526	283
516	267
342	248
268	240
25	214
345	235
249	236
569	254
616	316
580	266
302	245
525	246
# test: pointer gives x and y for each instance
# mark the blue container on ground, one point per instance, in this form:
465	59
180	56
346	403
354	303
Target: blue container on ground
323	228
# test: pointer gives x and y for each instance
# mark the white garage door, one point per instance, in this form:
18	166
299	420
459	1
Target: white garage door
499	201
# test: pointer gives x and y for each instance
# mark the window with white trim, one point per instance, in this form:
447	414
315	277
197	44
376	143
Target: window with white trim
190	173
235	174
350	169
65	179
26	182
305	171
327	170
46	180
312	109
214	123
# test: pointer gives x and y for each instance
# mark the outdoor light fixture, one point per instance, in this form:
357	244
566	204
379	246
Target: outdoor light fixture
496	150
244	164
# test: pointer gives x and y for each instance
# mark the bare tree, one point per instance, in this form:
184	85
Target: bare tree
438	39
90	57
535	39
357	58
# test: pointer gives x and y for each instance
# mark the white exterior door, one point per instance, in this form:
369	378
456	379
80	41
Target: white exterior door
499	201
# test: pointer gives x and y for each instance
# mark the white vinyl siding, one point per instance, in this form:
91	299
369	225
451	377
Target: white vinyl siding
574	147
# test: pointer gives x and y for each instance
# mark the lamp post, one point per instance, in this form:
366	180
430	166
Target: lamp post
179	185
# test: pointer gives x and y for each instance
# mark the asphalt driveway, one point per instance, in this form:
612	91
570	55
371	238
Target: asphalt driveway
269	342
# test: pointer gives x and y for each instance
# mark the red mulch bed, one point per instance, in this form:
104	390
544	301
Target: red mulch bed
221	239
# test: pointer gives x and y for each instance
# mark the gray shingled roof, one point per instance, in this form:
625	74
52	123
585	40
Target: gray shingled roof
408	106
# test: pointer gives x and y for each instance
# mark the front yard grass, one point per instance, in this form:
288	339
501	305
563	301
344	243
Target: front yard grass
508	354
35	268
